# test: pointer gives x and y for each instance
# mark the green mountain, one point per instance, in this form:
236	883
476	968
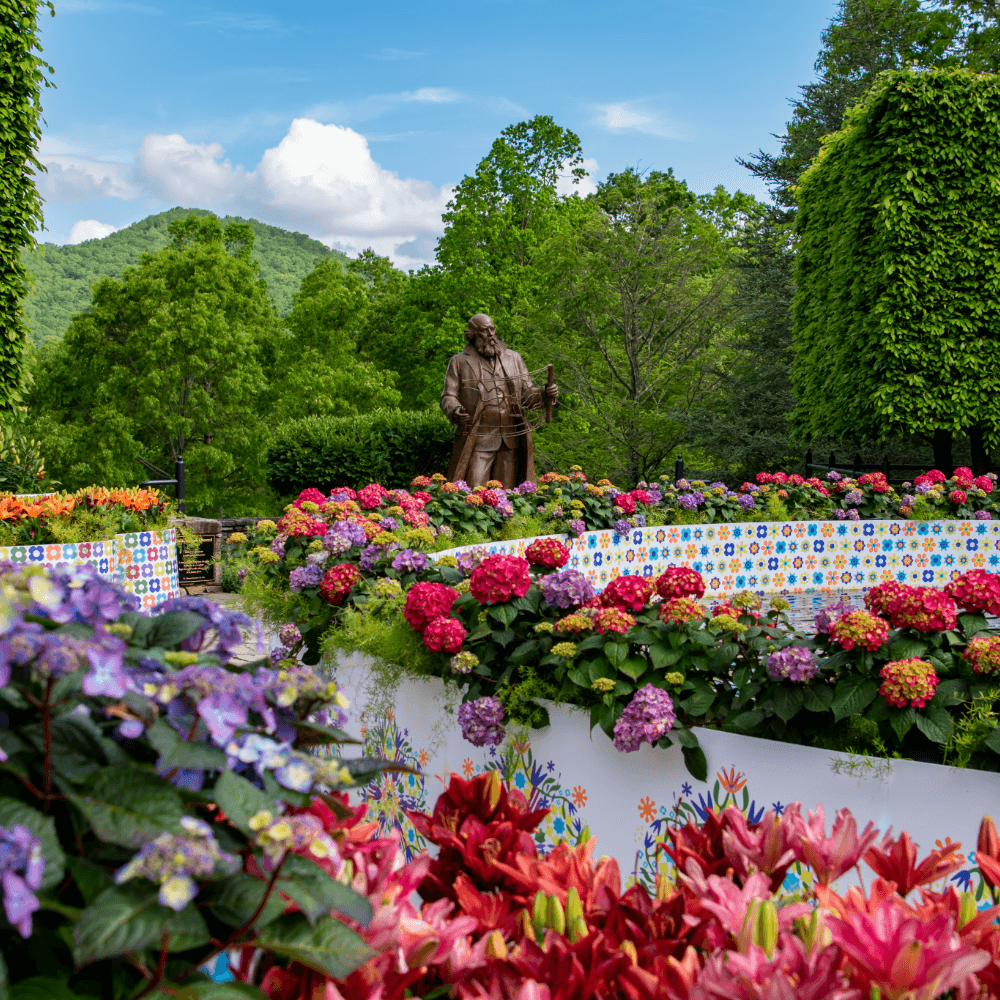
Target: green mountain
63	275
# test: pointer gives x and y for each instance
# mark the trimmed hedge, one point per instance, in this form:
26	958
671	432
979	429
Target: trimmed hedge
387	446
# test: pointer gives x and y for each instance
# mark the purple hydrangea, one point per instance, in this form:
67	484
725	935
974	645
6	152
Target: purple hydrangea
317	558
470	559
690	501
746	501
716	486
839	514
445	532
527	487
922	488
752	488
639	520
853	515
482	721
278	545
304	576
21	868
463	485
568	588
853	498
227	625
289	635
794	663
730	495
278	654
907	500
409	561
983	515
649	715
389	524
683	484
655	496
370	555
826	617
343	535
577	527
621	526
339	497
834	476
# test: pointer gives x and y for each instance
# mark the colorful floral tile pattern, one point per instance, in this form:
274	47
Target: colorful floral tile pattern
144	563
390	795
788	557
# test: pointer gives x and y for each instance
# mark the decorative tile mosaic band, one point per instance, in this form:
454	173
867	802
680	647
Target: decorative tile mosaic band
143	563
792	557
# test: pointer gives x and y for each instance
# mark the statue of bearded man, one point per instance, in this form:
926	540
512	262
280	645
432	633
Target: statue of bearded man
486	392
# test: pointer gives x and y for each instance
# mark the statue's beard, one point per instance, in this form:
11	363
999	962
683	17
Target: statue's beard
487	345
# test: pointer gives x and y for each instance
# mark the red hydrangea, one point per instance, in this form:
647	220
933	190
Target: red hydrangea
765	477
640	496
780	477
338	490
731	609
547	552
298	524
679	581
879	597
977	590
423	496
860	628
920	480
444	635
936	476
499	578
983	652
338	580
625	502
613	620
958	496
627	593
680	610
795	480
490	498
310	495
427	601
963	473
908	682
984	483
880	486
924	608
371	496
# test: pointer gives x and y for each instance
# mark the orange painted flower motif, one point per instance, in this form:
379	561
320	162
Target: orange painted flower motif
468	768
521	746
731	783
423	758
579	796
647	808
390	715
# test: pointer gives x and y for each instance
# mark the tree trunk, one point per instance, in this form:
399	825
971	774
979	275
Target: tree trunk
942	451
980	453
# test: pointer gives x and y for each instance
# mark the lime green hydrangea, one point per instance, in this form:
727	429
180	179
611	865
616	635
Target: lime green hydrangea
309	507
315	545
726	623
386	589
674	677
236	538
603	684
544	627
266	525
745	599
265	555
462	586
448	560
780	604
419	538
565	649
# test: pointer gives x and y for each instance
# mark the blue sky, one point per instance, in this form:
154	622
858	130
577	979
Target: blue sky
351	121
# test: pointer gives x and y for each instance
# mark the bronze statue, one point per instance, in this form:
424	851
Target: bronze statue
486	392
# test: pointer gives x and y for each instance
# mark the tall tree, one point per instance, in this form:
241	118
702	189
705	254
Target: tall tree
168	362
980	32
896	304
864	38
634	293
22	76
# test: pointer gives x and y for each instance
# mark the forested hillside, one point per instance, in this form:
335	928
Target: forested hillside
64	274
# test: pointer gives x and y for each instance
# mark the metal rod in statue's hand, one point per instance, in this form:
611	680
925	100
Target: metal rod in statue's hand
548	395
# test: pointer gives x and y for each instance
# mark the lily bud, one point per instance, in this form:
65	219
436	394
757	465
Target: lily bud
767	927
496	947
577	929
664	889
574	908
629	948
555	918
584	836
526	927
493	789
988	841
748	929
539	914
810	929
967	908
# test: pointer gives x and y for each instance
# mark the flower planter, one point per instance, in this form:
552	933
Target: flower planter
790	557
627	799
144	563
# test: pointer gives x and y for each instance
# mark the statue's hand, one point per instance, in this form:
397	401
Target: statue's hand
461	416
552	392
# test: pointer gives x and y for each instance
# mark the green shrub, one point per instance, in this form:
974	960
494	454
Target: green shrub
387	446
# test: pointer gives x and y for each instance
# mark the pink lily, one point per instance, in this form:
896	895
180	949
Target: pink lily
768	847
829	857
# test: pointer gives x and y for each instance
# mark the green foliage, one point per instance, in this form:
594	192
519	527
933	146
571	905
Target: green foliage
169	361
390	446
63	275
22	75
634	291
897	235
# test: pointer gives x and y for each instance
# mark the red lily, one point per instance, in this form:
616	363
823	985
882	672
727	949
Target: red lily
829	857
988	853
703	844
896	860
769	846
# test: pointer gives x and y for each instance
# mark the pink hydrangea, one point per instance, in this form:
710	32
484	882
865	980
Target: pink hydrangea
310	495
624	502
640	496
860	628
613	620
984	483
935	476
879	597
499	578
427	601
372	496
983	652
976	590
679	610
337	582
924	609
444	635
765	477
627	593
908	682
958	496
679	581
549	553
795	480
416	518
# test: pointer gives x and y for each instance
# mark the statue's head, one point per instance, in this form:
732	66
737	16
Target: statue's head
483	334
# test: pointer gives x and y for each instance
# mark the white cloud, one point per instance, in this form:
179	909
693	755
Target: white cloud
76	178
626	117
90	229
430	95
584	186
319	179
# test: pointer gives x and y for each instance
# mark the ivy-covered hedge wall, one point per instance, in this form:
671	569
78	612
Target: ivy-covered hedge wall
898	272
